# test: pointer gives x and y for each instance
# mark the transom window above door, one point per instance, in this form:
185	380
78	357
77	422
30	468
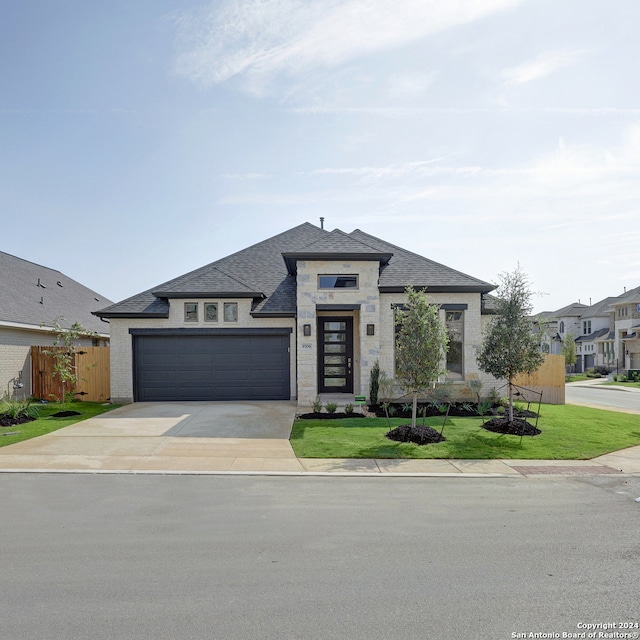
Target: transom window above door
337	282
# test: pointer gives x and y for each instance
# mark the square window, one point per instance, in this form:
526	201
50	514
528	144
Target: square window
211	312
231	312
191	312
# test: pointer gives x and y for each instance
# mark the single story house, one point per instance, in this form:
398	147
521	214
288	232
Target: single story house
32	299
304	313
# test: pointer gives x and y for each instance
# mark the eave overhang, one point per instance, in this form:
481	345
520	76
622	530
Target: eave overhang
440	289
209	294
129	314
291	259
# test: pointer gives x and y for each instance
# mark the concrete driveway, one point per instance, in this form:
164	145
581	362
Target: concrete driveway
163	436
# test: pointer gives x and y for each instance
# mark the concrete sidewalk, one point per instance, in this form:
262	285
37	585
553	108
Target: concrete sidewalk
188	439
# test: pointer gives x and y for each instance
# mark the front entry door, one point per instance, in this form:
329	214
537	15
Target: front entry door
335	353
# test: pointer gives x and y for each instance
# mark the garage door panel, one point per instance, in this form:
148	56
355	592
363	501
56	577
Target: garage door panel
211	367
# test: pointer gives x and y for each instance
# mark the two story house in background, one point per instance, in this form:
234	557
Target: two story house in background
606	334
307	312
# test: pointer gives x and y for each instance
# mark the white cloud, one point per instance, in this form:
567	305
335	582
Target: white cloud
265	37
545	64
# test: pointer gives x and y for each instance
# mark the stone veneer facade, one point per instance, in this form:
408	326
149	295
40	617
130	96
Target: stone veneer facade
377	309
309	296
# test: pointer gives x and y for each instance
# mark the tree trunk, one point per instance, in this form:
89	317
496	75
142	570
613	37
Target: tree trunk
414	411
510	402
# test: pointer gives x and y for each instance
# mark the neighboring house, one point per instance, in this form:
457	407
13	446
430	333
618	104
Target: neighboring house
304	313
626	313
607	334
32	298
555	326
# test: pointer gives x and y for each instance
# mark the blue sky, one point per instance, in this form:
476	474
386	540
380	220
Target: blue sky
141	139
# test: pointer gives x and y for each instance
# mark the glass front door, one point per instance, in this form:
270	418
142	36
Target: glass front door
335	353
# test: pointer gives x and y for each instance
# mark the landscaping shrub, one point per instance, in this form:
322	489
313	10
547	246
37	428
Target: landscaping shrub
17	409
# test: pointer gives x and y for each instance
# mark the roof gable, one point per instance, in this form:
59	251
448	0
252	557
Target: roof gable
205	282
336	245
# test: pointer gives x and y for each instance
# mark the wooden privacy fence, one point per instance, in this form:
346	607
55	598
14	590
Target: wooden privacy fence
548	379
92	369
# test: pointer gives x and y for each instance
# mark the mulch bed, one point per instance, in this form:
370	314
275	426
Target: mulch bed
65	414
418	434
516	428
328	416
8	421
456	410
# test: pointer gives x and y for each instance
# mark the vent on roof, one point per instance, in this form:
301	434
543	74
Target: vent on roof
40	284
59	284
41	299
97	299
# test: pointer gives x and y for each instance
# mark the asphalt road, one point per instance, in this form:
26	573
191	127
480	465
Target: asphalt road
607	397
243	557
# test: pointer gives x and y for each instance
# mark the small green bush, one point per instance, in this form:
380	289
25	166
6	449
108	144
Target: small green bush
349	409
18	409
331	407
374	383
317	405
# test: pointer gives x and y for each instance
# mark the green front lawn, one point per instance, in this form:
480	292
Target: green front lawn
568	433
45	423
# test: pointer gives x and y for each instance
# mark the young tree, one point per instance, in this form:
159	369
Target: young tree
65	343
569	350
421	344
510	346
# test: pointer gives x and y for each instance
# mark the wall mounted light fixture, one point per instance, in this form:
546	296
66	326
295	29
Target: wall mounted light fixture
371	330
306	329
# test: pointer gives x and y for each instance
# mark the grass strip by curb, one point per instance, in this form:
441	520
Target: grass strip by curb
46	423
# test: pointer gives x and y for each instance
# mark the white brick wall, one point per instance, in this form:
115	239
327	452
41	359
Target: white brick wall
15	357
122	341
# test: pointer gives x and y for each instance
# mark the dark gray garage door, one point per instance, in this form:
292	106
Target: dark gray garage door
211	367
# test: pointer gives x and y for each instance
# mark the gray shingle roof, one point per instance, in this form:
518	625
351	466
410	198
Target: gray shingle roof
592	336
35	295
259	267
262	272
406	268
574	309
336	244
203	282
